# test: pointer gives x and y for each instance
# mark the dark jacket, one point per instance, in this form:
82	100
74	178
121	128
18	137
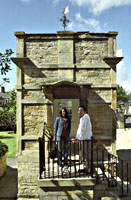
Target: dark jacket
58	126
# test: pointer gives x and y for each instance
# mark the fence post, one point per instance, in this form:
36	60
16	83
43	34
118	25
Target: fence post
42	152
92	157
122	176
40	158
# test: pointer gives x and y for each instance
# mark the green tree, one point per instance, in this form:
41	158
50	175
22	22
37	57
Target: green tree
5	62
8	112
122	95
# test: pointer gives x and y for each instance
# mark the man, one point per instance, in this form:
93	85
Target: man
84	133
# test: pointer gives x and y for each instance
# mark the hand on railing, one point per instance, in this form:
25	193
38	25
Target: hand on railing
54	140
74	140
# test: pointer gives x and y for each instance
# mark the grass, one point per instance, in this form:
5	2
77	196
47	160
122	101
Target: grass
9	138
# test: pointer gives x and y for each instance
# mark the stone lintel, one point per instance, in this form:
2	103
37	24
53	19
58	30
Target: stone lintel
65	83
102	137
28	87
36	101
112	60
92	66
31	87
30	137
104	86
70	182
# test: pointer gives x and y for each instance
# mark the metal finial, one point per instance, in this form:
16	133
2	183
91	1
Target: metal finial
64	19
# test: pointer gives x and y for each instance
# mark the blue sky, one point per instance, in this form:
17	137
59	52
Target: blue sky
40	16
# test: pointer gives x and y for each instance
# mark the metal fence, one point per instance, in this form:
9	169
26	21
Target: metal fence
85	159
75	166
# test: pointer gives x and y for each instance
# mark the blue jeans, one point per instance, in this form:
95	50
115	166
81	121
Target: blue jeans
62	147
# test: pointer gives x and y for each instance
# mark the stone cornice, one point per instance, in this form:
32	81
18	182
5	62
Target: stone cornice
112	60
65	35
26	62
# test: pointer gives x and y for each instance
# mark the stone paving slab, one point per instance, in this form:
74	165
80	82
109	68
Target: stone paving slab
8	183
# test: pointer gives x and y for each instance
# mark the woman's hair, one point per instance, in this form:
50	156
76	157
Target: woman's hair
64	108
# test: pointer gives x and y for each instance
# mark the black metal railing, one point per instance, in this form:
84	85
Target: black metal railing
77	167
85	159
46	132
124	176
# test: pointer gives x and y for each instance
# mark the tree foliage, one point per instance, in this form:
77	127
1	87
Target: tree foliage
5	62
3	149
122	95
8	112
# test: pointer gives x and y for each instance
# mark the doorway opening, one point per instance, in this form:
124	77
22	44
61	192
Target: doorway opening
72	107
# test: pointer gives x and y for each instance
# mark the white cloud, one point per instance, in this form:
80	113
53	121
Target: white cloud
97	6
83	24
126	85
122	74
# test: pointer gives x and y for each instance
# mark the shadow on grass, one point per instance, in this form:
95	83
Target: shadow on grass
6	137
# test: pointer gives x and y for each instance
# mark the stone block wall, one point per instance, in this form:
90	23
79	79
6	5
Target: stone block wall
83	64
43	52
90	51
33	117
28	170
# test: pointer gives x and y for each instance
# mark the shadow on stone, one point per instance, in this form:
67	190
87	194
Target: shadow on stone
8	184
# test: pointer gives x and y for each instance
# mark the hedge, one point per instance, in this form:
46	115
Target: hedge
3	149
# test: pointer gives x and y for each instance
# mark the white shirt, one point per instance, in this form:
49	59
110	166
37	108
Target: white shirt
84	131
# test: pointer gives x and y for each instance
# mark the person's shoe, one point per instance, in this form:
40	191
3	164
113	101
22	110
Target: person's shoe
81	170
65	171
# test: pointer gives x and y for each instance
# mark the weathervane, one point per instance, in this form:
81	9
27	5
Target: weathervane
64	19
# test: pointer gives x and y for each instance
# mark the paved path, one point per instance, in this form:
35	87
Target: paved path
8	183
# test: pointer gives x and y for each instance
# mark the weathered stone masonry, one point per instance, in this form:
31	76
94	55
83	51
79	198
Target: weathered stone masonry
82	62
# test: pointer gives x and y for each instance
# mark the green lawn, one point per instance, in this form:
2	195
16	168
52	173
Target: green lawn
9	138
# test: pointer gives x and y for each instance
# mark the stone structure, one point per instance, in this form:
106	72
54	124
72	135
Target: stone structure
80	67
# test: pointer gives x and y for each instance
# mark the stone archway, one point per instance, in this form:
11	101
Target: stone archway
66	90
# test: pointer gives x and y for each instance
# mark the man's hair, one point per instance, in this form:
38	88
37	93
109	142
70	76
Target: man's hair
64	108
84	108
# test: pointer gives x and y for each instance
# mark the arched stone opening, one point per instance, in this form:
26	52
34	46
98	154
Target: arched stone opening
68	94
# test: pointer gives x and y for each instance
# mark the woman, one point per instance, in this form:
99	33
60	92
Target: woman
62	128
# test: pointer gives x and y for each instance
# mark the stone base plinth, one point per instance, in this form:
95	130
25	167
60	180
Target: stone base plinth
66	189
